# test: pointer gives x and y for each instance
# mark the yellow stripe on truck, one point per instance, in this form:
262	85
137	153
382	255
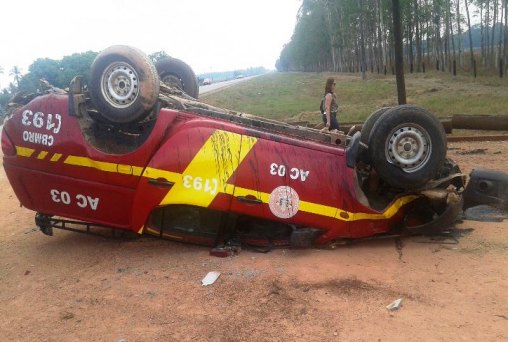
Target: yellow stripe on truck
209	171
337	213
24	151
207	175
104	166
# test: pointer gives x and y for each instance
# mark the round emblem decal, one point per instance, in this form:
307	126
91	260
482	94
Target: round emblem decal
284	202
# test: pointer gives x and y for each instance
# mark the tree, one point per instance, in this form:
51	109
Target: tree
57	72
73	65
157	56
470	36
16	73
4	100
399	63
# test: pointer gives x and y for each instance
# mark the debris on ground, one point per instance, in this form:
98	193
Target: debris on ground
210	278
225	251
475	151
395	305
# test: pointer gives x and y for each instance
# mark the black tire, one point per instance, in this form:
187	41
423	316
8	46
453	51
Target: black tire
124	85
177	73
407	146
369	123
363	153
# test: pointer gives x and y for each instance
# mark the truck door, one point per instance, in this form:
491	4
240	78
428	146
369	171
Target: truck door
296	183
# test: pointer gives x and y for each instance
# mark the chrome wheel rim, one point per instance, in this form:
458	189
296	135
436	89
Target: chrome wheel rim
120	85
409	147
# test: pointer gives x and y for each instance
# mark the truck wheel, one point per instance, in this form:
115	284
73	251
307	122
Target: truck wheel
124	85
363	154
369	123
176	73
407	146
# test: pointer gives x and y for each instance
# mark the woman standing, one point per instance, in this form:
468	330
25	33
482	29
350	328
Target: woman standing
330	107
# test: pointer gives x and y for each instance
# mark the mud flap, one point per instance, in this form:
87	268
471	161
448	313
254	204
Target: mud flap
44	223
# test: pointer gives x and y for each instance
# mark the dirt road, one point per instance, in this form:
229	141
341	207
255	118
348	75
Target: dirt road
76	287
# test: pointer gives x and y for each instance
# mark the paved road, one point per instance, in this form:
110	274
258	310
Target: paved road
220	85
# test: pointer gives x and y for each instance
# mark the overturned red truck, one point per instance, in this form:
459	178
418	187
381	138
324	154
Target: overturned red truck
134	150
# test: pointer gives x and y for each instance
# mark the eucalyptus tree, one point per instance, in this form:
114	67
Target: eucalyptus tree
458	19
357	35
470	36
505	38
309	48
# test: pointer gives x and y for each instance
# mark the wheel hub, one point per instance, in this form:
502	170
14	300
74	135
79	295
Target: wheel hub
408	147
120	84
173	81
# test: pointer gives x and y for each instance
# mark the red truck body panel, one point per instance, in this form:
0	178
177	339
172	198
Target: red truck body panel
188	159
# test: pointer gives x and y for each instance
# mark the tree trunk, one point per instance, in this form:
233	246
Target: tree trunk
363	64
459	33
500	41
493	59
399	66
484	122
329	27
505	53
448	38
418	37
470	34
383	36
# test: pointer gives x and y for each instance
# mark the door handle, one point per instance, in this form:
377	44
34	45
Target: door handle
250	200
162	182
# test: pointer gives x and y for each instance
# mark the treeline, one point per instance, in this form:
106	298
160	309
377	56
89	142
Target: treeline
356	35
59	73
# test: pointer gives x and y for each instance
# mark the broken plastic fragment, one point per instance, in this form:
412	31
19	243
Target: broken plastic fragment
395	305
210	278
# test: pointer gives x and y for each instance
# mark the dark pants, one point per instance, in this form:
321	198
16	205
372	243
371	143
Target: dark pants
334	124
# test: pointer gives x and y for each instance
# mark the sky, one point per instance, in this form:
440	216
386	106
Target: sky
209	35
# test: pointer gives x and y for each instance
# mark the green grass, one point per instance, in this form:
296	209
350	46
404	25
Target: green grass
296	96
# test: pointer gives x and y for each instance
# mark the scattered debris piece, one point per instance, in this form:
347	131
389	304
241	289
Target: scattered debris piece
36	229
475	151
395	305
485	213
225	251
210	278
66	315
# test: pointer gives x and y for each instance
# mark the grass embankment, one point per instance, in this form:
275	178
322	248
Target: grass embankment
296	96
